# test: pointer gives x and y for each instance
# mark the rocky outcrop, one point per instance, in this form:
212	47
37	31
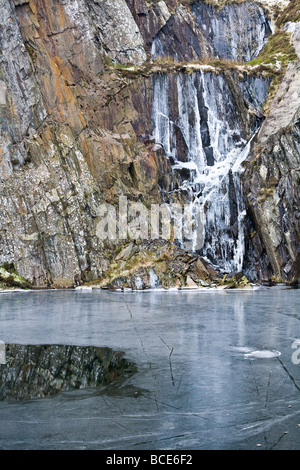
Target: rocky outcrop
77	125
181	39
237	31
117	31
69	130
21	105
271	183
194	30
38	371
158	264
150	18
9	279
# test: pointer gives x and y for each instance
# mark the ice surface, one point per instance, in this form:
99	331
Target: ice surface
193	388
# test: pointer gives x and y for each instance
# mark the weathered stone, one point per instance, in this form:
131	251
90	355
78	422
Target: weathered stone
73	124
117	30
203	272
21	105
76	131
10	279
225	29
190	283
125	253
273	209
181	38
284	105
150	18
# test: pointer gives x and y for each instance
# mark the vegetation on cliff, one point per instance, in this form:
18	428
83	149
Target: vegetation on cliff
76	126
10	279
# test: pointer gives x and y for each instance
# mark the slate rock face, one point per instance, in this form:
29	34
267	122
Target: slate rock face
117	31
75	132
271	184
237	31
67	127
21	105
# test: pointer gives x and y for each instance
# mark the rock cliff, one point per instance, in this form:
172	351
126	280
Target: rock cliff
78	87
271	183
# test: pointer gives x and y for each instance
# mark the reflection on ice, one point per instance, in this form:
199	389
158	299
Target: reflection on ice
36	371
204	395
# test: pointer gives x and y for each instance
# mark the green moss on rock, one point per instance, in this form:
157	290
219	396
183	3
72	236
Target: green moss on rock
290	13
279	48
10	279
278	52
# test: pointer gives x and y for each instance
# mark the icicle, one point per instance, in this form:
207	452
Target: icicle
216	188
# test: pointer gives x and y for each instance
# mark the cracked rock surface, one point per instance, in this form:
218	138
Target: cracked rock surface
76	132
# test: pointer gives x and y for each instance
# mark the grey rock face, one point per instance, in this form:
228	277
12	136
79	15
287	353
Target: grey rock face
46	235
70	124
181	39
117	31
271	184
285	104
150	18
75	132
236	32
21	105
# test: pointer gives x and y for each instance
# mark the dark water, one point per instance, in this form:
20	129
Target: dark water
199	383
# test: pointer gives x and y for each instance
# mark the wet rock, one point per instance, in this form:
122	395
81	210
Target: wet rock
181	39
270	184
226	28
199	30
77	131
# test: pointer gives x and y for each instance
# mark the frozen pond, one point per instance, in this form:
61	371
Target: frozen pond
215	370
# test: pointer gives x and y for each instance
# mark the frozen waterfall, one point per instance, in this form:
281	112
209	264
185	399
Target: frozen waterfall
206	118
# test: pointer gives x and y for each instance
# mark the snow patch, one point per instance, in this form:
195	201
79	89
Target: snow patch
262	354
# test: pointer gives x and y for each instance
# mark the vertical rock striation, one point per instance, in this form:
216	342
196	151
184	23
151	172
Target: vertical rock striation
67	127
76	130
238	31
21	105
271	184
